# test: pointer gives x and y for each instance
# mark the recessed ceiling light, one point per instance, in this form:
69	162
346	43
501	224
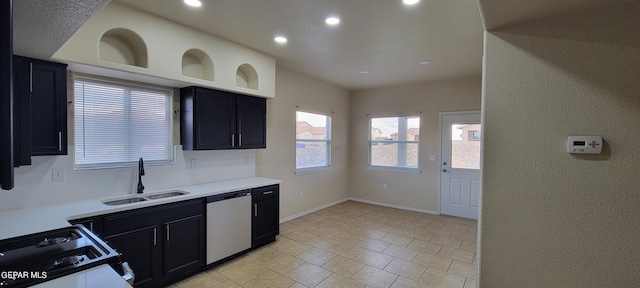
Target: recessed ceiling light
193	3
424	62
280	39
332	20
410	2
364	72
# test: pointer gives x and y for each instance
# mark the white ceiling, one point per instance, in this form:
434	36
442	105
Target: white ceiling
384	37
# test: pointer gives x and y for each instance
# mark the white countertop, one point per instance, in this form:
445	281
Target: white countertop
30	220
35	219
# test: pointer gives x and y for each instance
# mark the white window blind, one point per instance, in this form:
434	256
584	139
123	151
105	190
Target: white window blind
115	124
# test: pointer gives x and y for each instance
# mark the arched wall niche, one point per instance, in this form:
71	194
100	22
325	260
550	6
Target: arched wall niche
197	64
123	46
247	77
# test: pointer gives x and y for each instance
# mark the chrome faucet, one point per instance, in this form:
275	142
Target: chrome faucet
140	174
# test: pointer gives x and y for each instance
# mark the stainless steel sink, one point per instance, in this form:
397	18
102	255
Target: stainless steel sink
124	201
166	194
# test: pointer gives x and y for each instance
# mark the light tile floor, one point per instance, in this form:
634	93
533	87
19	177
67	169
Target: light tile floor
354	244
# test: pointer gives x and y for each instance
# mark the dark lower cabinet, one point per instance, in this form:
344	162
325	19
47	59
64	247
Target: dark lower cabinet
94	224
166	243
163	244
139	248
265	224
183	247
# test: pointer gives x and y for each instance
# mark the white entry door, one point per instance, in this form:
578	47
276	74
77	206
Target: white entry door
460	136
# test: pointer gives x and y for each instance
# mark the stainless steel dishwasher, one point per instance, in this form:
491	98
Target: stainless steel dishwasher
228	224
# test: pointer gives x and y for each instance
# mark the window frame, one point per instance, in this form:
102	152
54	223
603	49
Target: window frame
371	142
171	155
327	141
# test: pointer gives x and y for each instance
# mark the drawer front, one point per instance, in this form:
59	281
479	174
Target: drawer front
139	218
265	192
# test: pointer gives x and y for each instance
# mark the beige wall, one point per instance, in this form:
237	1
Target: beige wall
278	160
549	218
410	190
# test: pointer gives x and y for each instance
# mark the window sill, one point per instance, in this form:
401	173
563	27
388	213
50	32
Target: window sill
313	170
395	169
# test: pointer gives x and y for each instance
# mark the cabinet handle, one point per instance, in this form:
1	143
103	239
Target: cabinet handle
154	236
168	233
267	193
91	226
233	140
255	209
240	140
30	77
60	141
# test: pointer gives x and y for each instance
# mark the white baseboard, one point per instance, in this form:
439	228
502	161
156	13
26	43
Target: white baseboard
294	216
394	206
285	219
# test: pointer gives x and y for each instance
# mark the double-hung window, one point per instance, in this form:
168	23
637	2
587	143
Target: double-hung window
393	143
313	142
116	124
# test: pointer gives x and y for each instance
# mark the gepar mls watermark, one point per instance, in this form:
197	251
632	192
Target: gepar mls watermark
23	274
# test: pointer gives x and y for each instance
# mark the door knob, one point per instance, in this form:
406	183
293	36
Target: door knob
444	170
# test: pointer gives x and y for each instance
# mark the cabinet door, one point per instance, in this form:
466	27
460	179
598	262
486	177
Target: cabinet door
140	247
214	117
183	247
266	215
252	123
48	108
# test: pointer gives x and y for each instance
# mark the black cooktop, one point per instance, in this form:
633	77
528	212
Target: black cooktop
35	258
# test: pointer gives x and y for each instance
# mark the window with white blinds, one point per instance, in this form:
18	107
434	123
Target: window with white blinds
116	124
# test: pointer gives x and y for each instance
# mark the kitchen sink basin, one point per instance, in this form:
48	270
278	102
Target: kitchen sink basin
124	201
166	194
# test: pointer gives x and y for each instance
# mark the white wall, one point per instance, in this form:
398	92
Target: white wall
165	43
415	191
279	159
34	185
549	218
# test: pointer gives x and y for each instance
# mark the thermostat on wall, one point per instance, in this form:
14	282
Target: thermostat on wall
584	144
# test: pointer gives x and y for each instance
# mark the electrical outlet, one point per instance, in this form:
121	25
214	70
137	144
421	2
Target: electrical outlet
300	193
194	163
57	174
384	187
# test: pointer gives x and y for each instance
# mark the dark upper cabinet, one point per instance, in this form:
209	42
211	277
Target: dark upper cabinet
266	215
216	120
251	120
40	109
6	95
207	119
